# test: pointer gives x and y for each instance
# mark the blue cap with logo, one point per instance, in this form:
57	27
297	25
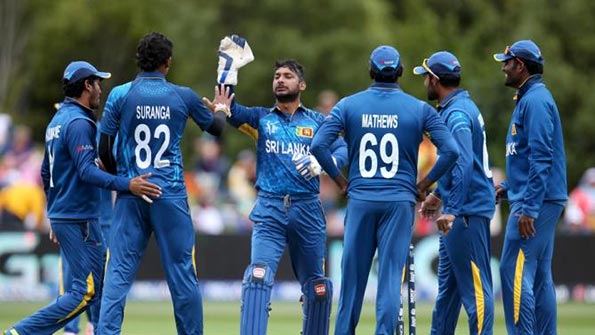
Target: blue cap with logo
524	49
441	64
81	69
384	57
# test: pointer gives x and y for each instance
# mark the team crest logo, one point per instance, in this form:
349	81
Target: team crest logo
305	132
513	129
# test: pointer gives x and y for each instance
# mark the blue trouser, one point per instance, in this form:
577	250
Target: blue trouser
528	290
66	281
464	278
133	223
371	225
84	252
299	224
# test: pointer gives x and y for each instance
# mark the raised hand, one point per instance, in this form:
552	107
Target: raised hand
221	100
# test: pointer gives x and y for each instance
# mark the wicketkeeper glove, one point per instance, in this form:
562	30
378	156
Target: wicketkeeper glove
306	165
234	52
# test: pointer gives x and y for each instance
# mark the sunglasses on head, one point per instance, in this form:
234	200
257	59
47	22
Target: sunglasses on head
427	68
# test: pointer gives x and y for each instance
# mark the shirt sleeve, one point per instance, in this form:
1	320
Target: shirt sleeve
246	119
460	126
539	125
80	141
443	140
324	144
110	122
199	113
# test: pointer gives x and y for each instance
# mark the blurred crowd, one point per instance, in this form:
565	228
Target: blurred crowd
221	189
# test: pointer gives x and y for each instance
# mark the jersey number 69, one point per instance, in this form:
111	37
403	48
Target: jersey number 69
371	153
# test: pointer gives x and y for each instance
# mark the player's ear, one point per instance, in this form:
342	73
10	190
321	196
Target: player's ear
302	85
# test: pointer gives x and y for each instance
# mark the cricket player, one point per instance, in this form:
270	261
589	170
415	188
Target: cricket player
537	192
106	209
288	211
383	129
466	196
148	115
71	180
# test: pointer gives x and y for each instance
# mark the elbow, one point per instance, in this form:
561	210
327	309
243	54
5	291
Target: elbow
316	149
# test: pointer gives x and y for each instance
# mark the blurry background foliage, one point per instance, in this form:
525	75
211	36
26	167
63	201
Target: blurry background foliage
331	38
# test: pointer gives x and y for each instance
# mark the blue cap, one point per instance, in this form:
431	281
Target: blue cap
524	49
81	69
385	56
441	64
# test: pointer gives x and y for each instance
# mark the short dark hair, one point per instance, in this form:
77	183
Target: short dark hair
533	67
292	65
152	51
75	89
450	81
386	75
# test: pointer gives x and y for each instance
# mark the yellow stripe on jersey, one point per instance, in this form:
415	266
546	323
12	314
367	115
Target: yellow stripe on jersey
479	300
518	284
248	130
107	254
403	275
60	276
13	332
86	298
194	260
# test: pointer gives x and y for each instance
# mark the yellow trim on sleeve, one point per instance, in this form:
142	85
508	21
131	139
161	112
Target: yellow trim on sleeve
248	130
86	298
479	300
518	284
13	332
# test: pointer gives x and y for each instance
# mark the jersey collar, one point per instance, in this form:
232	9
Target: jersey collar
526	86
86	110
151	74
385	86
449	98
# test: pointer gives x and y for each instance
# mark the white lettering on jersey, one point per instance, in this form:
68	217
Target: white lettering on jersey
379	121
276	147
52	133
511	149
152	112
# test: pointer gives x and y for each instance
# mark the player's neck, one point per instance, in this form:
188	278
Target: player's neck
288	107
445	92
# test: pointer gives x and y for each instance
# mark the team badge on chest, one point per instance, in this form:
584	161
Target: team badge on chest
305	132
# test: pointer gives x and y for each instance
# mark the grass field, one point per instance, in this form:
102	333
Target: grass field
222	318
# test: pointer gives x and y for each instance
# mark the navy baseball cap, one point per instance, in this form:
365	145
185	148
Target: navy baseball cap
81	69
440	65
524	49
384	57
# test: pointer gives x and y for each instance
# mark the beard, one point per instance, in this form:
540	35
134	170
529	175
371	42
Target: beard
287	97
432	95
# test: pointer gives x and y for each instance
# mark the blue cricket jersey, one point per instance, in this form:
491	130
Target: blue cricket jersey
148	115
468	188
383	129
70	176
535	156
278	136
